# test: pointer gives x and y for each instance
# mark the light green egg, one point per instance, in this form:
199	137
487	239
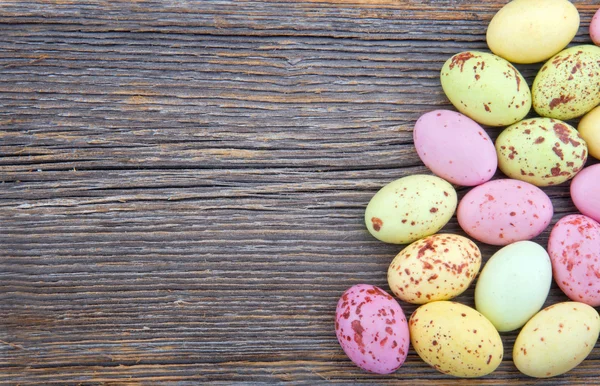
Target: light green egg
541	151
486	88
568	85
410	208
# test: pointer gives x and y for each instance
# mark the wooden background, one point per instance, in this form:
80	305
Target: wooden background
182	183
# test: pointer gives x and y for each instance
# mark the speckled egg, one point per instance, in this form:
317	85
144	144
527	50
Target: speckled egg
567	85
531	31
541	151
514	285
410	208
437	267
589	129
595	28
372	329
455	147
501	212
574	248
556	339
486	88
585	191
455	339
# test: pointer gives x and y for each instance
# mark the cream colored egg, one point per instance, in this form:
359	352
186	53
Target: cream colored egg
556	339
531	31
437	267
589	129
455	339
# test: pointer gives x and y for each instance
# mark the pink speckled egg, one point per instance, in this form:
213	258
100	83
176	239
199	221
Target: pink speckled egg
372	329
585	191
574	249
455	147
501	212
595	28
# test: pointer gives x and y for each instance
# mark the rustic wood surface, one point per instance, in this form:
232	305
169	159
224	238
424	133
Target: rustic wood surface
182	183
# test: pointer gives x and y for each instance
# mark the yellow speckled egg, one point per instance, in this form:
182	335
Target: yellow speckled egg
531	31
486	88
410	208
568	85
556	339
437	267
589	129
541	151
455	339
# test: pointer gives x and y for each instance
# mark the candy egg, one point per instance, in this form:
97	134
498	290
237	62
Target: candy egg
437	267
455	339
455	147
530	31
556	339
541	151
486	88
372	329
585	191
567	85
574	248
589	129
514	285
410	208
501	212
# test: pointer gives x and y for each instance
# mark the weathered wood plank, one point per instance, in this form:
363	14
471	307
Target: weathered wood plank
182	184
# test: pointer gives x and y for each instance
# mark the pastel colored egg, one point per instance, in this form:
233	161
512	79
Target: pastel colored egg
585	191
531	31
595	28
486	88
410	208
589	129
372	329
514	285
437	267
541	151
455	147
455	339
574	248
501	212
556	339
567	86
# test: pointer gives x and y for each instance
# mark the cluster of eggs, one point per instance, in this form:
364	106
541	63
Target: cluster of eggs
514	284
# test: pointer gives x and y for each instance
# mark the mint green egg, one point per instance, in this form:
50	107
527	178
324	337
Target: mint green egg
486	88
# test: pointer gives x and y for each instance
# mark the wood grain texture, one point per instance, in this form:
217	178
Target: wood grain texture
182	183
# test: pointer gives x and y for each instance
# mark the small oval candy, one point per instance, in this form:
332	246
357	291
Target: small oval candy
514	285
567	85
589	129
501	212
455	147
585	191
372	329
410	208
437	267
574	248
531	31
556	339
541	151
455	339
486	88
595	28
